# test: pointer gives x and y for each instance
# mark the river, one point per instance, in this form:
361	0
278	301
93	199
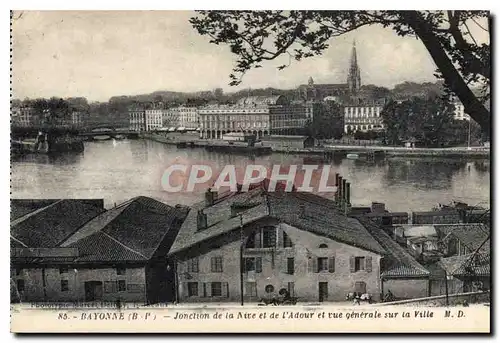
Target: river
119	170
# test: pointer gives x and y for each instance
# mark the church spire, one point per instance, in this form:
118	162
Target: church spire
354	76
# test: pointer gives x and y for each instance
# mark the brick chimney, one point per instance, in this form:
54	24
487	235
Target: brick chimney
201	220
210	197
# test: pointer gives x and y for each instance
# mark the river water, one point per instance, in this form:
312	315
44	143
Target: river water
119	170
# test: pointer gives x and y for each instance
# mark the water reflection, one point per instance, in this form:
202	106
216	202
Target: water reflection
124	169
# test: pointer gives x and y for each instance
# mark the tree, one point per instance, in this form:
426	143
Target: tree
427	120
326	122
259	36
51	112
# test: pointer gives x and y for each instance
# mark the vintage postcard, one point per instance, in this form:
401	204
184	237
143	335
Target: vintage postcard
250	171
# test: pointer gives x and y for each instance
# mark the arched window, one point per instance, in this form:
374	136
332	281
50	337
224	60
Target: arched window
323	246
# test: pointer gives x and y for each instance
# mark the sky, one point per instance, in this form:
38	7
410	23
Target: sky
101	54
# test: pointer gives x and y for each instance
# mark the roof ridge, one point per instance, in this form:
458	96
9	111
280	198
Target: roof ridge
18	241
29	215
123	245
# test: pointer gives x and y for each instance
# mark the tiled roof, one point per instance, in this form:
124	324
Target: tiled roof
22	207
52	224
305	211
467	265
398	262
131	232
470	234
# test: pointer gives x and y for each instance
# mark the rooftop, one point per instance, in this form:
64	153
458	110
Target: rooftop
305	211
397	262
49	226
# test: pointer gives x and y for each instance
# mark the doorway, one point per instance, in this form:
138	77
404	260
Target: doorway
93	290
323	291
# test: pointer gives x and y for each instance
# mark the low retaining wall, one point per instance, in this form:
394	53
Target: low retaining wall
440	300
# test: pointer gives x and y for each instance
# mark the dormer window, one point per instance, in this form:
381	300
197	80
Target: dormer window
323	246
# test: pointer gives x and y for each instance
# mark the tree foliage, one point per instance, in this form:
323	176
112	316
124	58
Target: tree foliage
259	36
326	122
428	121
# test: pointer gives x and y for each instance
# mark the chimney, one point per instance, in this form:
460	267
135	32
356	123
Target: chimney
201	220
210	197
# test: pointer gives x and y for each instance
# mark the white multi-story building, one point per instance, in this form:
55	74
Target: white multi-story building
363	117
154	119
249	115
137	120
182	116
23	116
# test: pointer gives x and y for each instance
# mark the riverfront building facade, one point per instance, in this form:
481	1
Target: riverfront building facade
363	117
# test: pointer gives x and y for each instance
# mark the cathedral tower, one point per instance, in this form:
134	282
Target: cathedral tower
354	75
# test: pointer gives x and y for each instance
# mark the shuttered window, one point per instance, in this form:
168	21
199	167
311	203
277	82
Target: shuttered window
216	264
216	289
192	289
193	265
322	264
331	264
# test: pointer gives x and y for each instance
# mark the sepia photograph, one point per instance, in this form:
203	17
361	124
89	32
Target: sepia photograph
250	171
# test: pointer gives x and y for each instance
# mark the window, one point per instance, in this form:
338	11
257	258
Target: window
192	289
120	271
192	265
216	289
322	264
323	246
269	238
291	288
251	289
290	265
64	286
19	271
216	264
287	242
20	286
63	270
109	286
269	288
359	263
122	287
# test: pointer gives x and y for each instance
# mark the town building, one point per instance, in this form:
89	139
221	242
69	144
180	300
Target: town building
338	92
154	118
250	115
459	113
258	244
363	116
23	116
74	250
137	119
184	117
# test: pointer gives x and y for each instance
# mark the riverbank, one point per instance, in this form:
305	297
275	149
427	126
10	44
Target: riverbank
341	150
